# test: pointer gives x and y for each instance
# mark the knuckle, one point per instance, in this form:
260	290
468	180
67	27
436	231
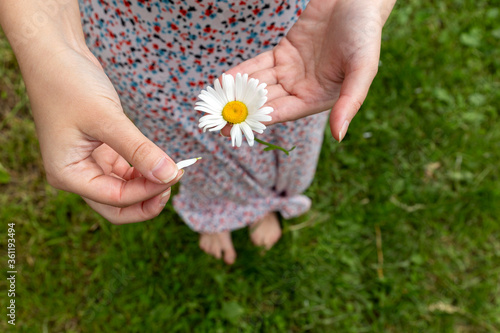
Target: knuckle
357	104
118	198
141	151
150	211
100	125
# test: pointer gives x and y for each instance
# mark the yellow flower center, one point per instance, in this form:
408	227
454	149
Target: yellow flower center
235	112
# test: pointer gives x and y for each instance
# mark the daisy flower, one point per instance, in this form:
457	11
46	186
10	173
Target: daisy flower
239	101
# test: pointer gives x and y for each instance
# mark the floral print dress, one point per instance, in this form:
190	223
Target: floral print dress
159	55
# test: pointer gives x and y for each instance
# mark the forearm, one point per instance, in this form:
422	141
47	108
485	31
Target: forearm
37	29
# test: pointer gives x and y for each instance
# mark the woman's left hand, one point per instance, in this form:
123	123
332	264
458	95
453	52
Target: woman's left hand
327	61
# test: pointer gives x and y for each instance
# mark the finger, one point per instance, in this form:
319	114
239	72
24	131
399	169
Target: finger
138	212
131	174
289	108
275	91
267	76
112	163
352	95
113	191
120	134
121	168
262	61
226	131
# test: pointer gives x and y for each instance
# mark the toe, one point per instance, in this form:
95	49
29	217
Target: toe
275	237
203	242
229	256
258	240
227	247
266	232
216	250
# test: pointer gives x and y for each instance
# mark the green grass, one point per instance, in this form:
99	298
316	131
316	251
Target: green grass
419	164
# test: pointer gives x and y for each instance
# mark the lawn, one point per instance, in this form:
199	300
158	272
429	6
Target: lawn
403	236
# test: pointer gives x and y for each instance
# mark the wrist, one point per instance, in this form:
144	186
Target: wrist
37	30
385	9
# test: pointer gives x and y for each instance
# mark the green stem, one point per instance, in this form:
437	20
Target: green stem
270	146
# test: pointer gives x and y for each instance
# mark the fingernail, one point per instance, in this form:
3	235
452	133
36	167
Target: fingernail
179	175
222	134
165	171
164	197
343	130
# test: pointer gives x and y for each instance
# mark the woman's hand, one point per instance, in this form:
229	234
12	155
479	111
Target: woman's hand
327	60
86	140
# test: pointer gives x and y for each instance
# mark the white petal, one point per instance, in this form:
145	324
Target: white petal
219	127
219	91
228	85
248	133
261	101
186	163
236	136
262	86
205	104
260	117
208	110
210	99
239	85
265	110
220	98
250	91
210	117
210	122
206	123
208	126
256	104
255	125
233	135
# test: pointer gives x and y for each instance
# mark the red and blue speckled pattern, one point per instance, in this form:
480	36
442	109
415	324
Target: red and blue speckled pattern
160	55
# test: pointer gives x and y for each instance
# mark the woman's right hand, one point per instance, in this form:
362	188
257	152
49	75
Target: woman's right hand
86	140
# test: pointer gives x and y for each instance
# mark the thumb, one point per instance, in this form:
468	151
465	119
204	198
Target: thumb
352	95
118	132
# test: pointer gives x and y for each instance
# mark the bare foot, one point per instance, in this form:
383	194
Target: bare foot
266	232
219	245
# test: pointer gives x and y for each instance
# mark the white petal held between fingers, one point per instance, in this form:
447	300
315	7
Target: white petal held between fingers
185	163
238	102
